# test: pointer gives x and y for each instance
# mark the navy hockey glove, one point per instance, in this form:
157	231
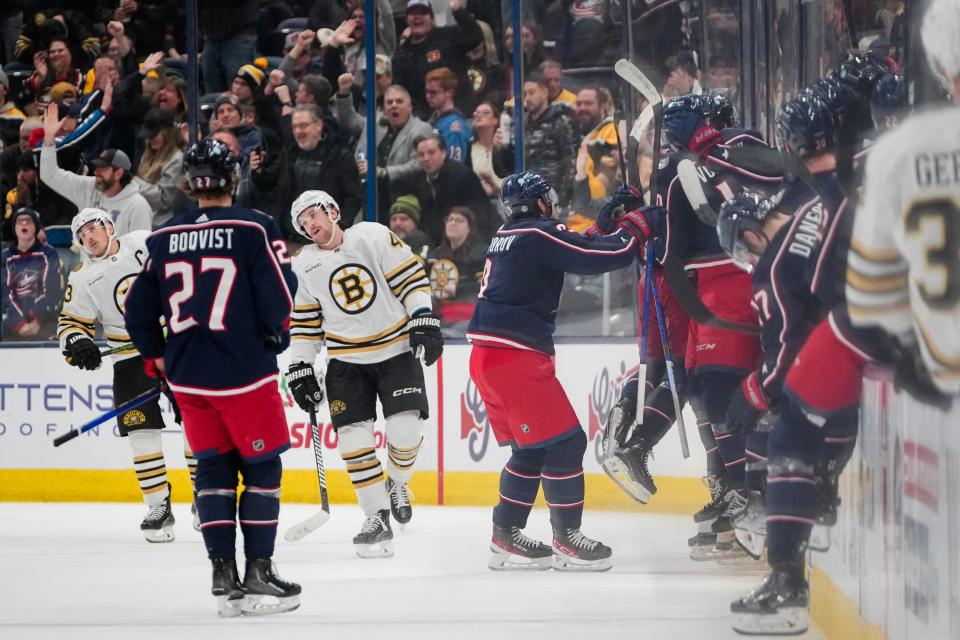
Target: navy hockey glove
748	404
276	342
304	386
424	329
82	352
622	200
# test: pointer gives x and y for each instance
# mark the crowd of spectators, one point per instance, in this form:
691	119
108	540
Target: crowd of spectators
94	112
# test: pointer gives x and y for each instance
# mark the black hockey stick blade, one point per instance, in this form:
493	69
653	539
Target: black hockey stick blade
693	189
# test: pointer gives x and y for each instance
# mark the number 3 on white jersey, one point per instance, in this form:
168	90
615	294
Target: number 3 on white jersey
218	309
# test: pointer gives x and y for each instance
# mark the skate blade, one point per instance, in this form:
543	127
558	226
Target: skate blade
229	607
500	561
563	562
616	471
159	536
788	621
819	538
752	543
263	605
719	551
375	551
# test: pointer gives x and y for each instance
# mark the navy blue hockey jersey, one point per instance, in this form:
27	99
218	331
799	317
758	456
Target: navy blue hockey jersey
689	239
523	277
222	280
798	280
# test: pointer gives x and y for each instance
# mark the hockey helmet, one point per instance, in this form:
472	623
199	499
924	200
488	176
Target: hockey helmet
744	212
85	217
520	192
805	126
683	116
209	165
860	73
720	110
888	102
842	100
310	199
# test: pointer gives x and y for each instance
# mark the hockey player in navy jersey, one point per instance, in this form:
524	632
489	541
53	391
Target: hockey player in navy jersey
813	360
511	363
220	278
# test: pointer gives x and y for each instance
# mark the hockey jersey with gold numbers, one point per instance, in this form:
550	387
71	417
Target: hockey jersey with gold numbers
357	298
96	290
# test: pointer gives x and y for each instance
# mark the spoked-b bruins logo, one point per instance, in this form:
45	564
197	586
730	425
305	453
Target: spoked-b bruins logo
353	288
121	289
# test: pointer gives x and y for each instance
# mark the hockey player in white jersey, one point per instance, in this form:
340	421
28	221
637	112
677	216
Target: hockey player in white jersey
903	271
95	292
365	296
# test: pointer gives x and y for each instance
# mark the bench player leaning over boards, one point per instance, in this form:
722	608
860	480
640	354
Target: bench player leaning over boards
367	297
96	292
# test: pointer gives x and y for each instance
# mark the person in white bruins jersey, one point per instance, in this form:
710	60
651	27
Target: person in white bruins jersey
903	270
95	292
367	297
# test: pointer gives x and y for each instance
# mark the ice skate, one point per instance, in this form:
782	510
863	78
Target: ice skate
724	546
375	539
157	525
265	592
514	551
710	511
733	504
573	551
827	502
751	525
778	606
400	496
627	467
226	588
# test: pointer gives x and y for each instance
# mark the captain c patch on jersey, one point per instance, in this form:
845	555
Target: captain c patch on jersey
353	288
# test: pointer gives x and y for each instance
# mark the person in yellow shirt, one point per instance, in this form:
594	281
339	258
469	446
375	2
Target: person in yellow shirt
597	162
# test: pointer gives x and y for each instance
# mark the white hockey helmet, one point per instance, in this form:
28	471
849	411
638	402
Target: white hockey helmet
92	214
940	34
309	199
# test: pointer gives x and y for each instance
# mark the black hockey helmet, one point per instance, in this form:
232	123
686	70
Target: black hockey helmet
683	116
520	192
745	212
209	164
720	110
889	101
805	126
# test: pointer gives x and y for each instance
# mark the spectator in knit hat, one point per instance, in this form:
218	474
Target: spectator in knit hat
246	84
10	117
405	221
227	115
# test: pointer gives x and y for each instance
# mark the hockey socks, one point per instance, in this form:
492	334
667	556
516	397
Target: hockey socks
366	473
149	464
562	477
217	503
260	506
404	437
519	484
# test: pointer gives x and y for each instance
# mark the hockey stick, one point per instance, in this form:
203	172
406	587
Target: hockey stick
668	358
132	403
693	189
636	79
311	524
116	349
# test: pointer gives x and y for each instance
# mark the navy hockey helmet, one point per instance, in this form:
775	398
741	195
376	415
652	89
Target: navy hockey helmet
209	165
805	127
683	116
520	192
860	72
745	212
888	102
839	98
720	110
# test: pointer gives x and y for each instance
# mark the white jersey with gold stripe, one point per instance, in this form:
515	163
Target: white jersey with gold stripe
357	298
903	269
96	290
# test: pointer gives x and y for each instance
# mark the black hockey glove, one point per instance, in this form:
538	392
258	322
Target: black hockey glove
304	386
82	352
424	329
747	406
622	200
910	375
276	341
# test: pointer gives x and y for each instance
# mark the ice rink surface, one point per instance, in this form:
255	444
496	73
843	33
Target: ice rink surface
84	571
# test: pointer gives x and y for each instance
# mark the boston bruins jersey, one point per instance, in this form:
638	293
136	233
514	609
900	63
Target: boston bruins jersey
96	290
357	298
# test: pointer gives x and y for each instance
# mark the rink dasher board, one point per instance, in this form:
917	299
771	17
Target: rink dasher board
459	462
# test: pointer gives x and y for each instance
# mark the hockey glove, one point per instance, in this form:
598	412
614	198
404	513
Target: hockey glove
304	386
911	376
82	352
276	342
424	329
747	405
622	200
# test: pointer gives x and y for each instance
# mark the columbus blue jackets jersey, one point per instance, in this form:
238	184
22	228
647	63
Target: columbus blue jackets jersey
32	287
797	281
523	276
688	238
222	280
